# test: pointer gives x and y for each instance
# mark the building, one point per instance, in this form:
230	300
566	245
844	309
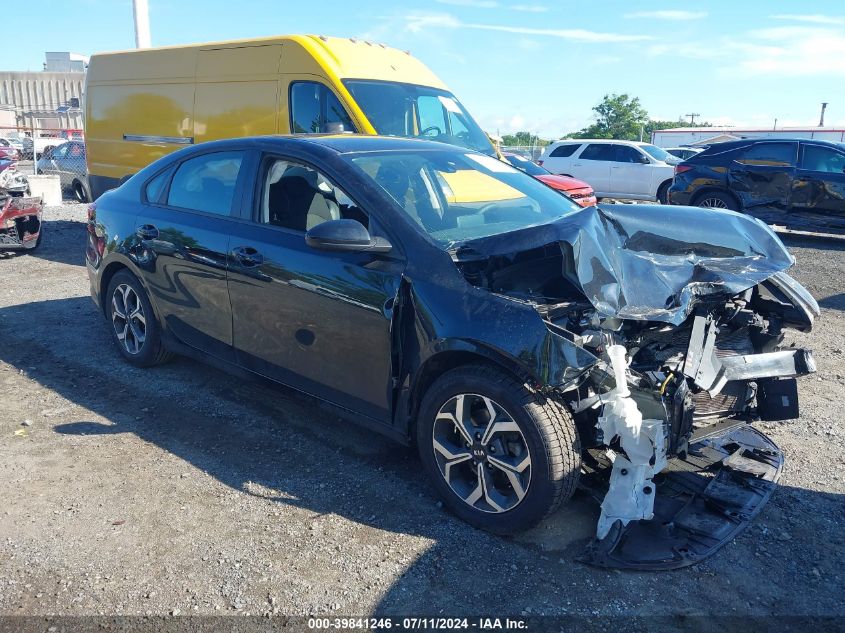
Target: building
708	135
47	100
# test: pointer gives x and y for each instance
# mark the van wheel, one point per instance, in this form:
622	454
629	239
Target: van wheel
716	200
135	330
500	455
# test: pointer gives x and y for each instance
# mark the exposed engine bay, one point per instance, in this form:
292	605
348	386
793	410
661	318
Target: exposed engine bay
20	217
688	340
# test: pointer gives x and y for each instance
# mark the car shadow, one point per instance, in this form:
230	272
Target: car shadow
54	244
273	443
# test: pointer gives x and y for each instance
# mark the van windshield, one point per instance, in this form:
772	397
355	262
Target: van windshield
399	109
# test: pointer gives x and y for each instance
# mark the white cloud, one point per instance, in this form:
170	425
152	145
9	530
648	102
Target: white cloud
792	50
476	4
494	4
669	14
418	22
529	8
813	18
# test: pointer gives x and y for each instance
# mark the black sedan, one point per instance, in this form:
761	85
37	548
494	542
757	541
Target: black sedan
443	298
794	182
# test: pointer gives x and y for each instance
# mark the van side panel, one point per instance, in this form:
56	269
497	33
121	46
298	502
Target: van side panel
237	92
143	95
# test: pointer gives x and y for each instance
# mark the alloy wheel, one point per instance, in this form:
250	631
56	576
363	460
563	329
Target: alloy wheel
481	453
713	203
128	319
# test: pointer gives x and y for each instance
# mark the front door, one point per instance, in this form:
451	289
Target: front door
184	239
629	175
762	175
316	320
818	192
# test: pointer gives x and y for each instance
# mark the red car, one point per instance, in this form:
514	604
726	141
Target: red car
8	153
578	190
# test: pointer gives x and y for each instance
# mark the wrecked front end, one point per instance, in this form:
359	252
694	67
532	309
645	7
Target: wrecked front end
20	223
670	324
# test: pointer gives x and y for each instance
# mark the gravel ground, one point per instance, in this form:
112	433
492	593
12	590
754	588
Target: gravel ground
182	489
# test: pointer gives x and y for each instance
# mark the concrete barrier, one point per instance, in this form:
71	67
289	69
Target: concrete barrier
49	188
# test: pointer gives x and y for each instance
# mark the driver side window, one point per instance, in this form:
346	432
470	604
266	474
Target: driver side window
431	114
297	197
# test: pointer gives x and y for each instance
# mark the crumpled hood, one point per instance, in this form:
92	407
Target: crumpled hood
652	262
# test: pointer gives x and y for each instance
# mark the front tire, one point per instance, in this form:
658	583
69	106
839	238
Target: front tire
501	455
135	330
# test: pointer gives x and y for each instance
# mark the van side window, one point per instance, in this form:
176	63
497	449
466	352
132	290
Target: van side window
299	198
206	183
562	151
315	109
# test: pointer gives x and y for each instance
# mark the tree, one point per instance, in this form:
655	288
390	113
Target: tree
523	138
617	116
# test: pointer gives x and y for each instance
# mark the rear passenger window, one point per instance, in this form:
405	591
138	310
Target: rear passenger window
206	183
315	109
563	151
770	155
599	151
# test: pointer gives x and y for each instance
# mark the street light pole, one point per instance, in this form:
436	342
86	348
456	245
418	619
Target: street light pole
141	10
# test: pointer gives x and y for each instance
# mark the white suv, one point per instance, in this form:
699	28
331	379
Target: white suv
615	169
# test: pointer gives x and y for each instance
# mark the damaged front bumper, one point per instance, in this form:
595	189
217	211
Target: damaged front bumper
702	500
20	223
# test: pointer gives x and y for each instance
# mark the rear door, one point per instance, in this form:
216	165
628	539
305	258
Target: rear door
592	165
818	191
319	321
762	175
629	175
184	229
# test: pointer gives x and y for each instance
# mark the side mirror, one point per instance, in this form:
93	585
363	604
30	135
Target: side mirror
345	235
644	160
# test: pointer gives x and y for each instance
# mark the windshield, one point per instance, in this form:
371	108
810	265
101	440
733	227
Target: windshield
660	154
529	167
397	109
455	196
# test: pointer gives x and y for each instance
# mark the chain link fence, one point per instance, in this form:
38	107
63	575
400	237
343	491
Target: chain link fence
48	152
531	152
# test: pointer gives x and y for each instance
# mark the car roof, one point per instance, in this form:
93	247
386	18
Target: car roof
341	143
600	140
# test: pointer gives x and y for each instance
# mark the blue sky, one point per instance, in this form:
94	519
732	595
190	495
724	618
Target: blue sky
522	64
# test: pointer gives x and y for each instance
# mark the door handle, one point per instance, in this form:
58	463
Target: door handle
147	232
247	256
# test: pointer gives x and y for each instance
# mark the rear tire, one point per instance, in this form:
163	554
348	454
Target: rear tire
135	329
501	455
716	200
79	192
663	192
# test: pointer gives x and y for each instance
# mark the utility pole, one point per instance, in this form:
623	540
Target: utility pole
776	124
821	120
692	117
141	10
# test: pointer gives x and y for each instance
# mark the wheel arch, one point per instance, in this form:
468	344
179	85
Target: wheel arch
461	353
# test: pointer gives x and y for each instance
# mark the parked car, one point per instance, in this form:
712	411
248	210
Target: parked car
7	152
20	215
578	190
505	335
184	95
67	161
794	182
615	169
684	152
11	141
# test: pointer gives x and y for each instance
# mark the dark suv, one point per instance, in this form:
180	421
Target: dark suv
795	182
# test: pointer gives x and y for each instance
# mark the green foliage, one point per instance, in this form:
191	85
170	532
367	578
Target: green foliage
523	138
622	117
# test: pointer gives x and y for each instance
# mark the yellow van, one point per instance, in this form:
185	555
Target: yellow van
143	104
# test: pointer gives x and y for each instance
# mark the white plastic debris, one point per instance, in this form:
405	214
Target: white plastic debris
631	493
